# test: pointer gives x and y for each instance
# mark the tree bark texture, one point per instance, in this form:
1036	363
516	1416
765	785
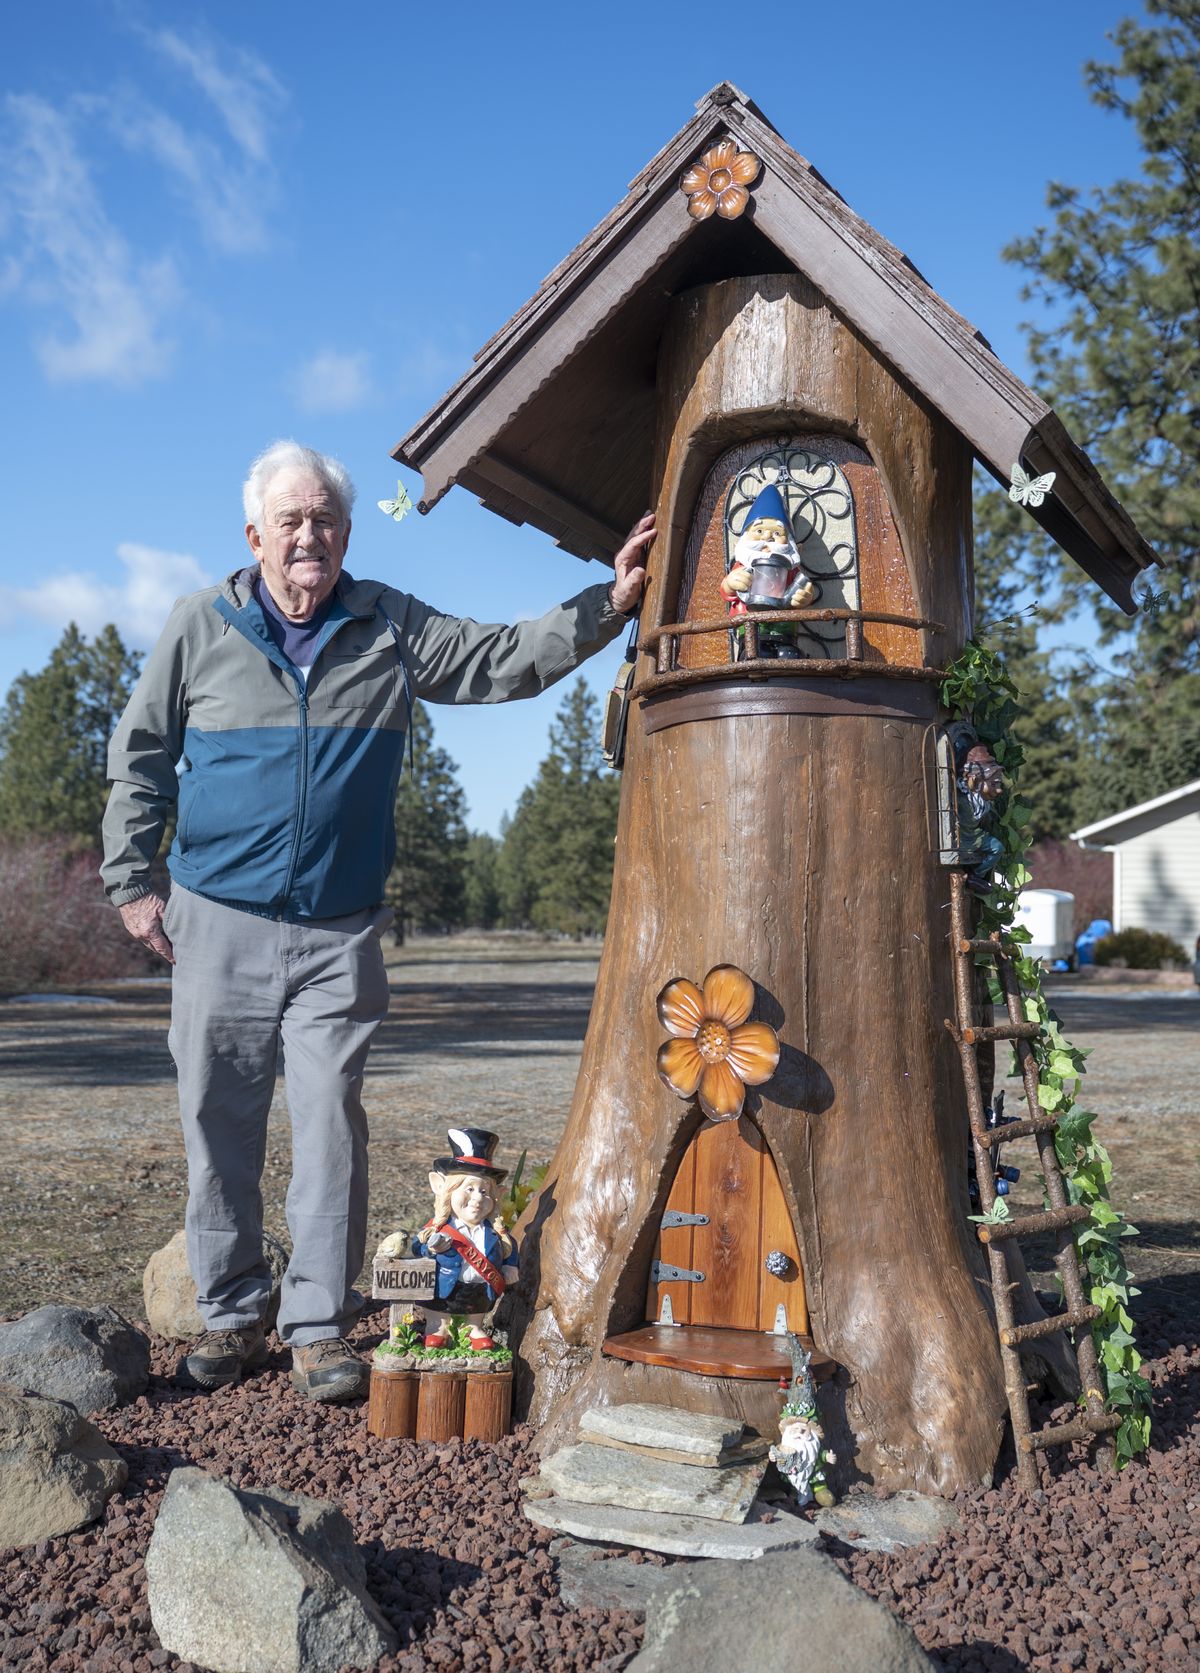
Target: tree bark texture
796	845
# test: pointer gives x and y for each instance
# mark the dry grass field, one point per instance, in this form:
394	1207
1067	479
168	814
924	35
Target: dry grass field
487	1030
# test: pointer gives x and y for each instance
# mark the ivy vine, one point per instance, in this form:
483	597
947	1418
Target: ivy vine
978	689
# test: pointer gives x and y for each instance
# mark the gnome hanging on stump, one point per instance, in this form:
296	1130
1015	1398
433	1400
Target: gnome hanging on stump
476	1258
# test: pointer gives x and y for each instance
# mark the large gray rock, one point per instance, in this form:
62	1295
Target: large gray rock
259	1582
677	1536
56	1469
871	1524
169	1289
786	1612
602	1475
589	1578
90	1356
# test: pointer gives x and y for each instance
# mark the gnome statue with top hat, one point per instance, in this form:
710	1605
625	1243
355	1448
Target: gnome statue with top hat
476	1258
766	573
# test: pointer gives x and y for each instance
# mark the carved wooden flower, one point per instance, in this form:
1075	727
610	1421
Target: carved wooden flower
717	183
716	1054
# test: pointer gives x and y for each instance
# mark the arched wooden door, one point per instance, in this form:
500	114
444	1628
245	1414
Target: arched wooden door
724	1217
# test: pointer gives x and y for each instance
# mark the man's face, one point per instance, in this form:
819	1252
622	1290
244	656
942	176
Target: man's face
302	541
472	1201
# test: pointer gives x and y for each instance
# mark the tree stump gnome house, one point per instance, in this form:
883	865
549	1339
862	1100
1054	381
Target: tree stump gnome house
736	348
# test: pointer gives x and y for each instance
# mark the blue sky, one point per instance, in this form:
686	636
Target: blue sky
220	225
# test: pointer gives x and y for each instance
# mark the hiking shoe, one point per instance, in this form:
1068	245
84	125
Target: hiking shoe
220	1356
330	1370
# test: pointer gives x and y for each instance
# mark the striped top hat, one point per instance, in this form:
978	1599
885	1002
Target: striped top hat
473	1149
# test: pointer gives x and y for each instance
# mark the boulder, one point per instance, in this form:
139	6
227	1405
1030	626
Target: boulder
263	1581
90	1356
783	1612
56	1469
170	1292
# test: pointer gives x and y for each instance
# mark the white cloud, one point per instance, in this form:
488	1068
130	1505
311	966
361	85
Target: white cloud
138	602
71	257
242	89
229	191
332	382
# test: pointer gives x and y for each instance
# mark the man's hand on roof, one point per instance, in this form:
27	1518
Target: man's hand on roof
143	919
630	567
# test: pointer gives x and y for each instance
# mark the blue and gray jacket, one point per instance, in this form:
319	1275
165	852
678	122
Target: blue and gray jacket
286	789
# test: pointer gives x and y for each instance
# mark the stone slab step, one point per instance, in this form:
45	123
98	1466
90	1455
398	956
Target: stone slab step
675	1536
871	1524
699	1434
602	1475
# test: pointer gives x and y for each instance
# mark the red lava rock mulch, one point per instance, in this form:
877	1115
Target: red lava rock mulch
1095	1573
466	1581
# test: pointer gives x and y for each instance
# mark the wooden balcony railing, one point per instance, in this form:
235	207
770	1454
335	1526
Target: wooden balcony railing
664	643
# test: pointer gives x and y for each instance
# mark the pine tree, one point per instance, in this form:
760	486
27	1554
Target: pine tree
556	860
481	899
54	731
1119	273
428	878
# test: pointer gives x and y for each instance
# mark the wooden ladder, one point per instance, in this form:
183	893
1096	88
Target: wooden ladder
1059	1217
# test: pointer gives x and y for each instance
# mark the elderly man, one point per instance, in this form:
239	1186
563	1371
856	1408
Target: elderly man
273	710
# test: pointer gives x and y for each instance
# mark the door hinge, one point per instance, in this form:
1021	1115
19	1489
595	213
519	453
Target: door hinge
674	1218
660	1273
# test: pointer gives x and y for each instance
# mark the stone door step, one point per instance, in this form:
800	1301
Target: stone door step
675	1536
603	1475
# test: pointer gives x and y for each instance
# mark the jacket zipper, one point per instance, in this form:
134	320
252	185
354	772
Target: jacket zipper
301	796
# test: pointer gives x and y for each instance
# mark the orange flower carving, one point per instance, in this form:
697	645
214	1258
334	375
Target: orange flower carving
717	183
715	1054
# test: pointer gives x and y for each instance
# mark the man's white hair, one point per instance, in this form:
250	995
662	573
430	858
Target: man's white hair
286	456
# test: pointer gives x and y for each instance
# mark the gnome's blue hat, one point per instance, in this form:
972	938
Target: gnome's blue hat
769	504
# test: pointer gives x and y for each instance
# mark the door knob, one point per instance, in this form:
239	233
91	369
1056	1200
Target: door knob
778	1264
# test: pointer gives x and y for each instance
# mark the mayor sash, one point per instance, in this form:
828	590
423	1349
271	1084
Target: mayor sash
475	1258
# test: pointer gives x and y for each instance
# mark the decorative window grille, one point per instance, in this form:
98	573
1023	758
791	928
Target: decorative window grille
821	507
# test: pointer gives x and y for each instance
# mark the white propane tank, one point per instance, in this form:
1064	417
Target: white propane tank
1049	916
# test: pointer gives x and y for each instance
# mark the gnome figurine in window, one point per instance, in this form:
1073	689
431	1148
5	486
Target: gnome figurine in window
766	573
476	1258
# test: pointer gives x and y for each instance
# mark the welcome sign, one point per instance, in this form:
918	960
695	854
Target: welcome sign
402	1280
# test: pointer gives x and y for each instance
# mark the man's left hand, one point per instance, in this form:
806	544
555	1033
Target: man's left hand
630	566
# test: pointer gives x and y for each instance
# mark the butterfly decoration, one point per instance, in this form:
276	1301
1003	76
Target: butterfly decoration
1151	602
398	508
1030	490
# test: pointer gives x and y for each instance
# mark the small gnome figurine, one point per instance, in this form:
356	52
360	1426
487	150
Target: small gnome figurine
801	1454
766	572
979	785
476	1258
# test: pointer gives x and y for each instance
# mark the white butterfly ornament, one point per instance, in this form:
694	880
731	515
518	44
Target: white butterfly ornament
398	508
1030	490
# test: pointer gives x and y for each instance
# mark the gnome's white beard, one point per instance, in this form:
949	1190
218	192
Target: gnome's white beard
747	549
802	1453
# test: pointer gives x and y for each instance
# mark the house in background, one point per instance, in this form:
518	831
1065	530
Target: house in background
1156	863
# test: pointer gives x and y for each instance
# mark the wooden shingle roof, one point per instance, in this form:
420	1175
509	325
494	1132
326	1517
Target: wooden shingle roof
554	422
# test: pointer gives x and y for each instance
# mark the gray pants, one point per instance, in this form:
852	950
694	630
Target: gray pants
244	990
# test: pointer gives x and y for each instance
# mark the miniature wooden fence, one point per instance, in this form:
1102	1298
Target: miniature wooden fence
440	1405
664	642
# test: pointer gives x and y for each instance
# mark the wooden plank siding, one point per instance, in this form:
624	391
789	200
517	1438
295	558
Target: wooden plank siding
1157	878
